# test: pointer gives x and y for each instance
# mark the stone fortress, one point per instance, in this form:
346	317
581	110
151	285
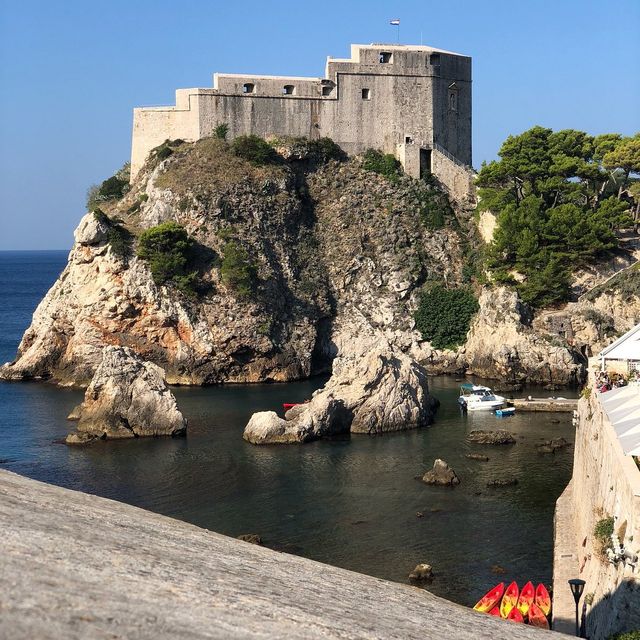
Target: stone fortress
411	101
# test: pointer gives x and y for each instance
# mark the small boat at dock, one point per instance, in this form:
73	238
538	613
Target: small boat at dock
506	411
475	397
490	599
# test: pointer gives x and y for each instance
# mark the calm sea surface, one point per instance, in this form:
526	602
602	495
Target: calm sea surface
350	502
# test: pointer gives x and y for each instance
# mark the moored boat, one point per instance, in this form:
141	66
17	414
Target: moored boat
495	611
474	397
526	598
509	600
490	599
537	618
506	411
543	599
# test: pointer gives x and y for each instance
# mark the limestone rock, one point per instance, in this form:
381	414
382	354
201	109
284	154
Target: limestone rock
127	398
90	231
502	345
373	393
422	571
441	474
499	436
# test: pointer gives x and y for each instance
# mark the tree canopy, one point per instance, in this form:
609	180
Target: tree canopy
559	198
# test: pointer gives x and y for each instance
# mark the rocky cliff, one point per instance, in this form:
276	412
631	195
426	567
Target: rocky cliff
337	253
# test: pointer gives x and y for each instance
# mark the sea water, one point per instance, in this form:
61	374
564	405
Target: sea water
355	502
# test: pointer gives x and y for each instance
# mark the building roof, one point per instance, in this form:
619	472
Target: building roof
622	407
626	347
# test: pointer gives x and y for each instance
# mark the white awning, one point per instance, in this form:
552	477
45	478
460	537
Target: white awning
626	347
622	407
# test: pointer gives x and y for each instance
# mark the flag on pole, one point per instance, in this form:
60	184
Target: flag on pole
395	22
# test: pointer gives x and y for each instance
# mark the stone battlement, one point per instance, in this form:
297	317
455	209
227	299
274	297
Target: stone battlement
382	97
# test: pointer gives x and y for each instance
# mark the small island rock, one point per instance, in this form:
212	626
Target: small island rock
422	571
441	474
127	398
503	482
477	456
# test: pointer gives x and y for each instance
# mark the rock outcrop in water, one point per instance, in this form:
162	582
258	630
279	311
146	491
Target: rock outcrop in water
441	474
377	392
126	398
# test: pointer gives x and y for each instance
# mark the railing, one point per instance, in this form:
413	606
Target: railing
451	157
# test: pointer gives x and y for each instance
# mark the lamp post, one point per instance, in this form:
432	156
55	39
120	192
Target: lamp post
577	587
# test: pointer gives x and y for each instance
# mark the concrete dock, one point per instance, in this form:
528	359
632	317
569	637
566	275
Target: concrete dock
545	404
74	566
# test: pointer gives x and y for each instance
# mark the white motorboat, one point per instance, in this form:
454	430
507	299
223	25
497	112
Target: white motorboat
475	397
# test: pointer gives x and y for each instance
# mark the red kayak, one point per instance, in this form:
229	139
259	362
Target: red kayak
495	612
490	599
515	615
288	405
526	598
543	599
537	617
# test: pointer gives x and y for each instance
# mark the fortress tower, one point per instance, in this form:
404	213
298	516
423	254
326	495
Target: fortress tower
412	101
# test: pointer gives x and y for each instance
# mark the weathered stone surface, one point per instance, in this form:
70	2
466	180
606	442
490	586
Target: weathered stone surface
422	571
501	344
78	566
127	398
483	436
441	474
372	393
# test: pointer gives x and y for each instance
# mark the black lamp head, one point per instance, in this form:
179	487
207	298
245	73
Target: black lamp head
577	587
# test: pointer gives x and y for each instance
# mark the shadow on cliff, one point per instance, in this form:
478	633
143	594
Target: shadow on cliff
617	612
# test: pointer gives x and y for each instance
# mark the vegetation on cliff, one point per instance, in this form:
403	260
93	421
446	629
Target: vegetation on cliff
444	315
560	197
169	251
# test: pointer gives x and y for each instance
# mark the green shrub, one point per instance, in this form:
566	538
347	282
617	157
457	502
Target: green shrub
169	251
255	150
626	635
385	164
434	209
238	271
326	149
603	322
112	188
444	315
221	130
602	533
118	236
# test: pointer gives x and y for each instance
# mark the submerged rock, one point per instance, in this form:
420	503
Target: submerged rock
441	474
252	538
422	571
508	481
378	392
477	456
499	436
551	446
126	398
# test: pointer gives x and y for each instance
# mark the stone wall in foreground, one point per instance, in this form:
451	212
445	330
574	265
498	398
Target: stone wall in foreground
605	483
75	565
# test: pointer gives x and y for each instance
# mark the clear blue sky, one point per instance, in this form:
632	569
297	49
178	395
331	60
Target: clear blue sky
71	71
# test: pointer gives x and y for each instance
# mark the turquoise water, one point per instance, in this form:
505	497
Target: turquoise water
350	502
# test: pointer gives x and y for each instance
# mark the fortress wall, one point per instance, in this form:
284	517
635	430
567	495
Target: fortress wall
605	483
384	96
152	126
458	180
